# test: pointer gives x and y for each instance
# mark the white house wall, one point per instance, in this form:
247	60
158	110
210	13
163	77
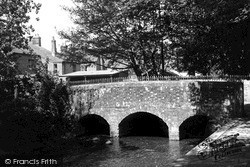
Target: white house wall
51	68
60	68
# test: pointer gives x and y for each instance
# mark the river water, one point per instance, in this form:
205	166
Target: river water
130	152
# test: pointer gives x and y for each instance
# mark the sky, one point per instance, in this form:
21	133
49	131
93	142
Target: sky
52	18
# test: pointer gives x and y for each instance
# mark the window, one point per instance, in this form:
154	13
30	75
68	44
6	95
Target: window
74	67
55	69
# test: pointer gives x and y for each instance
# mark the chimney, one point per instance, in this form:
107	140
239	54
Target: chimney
36	40
53	46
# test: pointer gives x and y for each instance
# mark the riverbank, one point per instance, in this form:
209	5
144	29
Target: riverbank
238	157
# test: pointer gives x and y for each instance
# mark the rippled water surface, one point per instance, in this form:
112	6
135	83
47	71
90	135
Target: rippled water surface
130	152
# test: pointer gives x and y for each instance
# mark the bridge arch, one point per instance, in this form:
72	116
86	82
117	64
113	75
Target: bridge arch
195	126
142	124
93	124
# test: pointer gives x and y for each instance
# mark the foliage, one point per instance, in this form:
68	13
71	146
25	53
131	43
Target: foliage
211	37
218	100
13	28
128	33
39	114
83	100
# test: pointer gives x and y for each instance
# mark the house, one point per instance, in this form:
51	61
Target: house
95	64
96	68
27	62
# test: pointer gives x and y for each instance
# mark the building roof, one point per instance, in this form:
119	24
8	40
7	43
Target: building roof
42	52
92	73
182	74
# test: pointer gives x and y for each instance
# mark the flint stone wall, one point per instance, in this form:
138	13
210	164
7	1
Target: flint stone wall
172	101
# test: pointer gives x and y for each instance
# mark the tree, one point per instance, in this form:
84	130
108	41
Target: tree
37	116
13	28
131	33
211	37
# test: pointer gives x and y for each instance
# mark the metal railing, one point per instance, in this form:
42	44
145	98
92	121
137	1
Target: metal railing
161	78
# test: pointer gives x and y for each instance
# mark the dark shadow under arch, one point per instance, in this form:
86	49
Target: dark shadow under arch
143	124
92	124
197	126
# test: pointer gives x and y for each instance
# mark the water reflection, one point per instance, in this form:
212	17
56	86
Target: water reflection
130	151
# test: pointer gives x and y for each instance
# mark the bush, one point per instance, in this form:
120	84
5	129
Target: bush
38	115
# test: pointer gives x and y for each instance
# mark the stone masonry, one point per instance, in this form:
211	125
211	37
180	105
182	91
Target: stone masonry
171	101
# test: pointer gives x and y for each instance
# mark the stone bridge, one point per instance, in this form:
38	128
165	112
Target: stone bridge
172	102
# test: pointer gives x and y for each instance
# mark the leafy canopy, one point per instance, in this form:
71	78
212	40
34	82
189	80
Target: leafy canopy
128	33
13	28
207	36
211	36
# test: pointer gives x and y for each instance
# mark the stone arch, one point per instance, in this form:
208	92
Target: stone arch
142	123
94	124
195	126
160	115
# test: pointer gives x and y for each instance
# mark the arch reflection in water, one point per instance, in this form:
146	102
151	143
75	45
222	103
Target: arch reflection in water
143	124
